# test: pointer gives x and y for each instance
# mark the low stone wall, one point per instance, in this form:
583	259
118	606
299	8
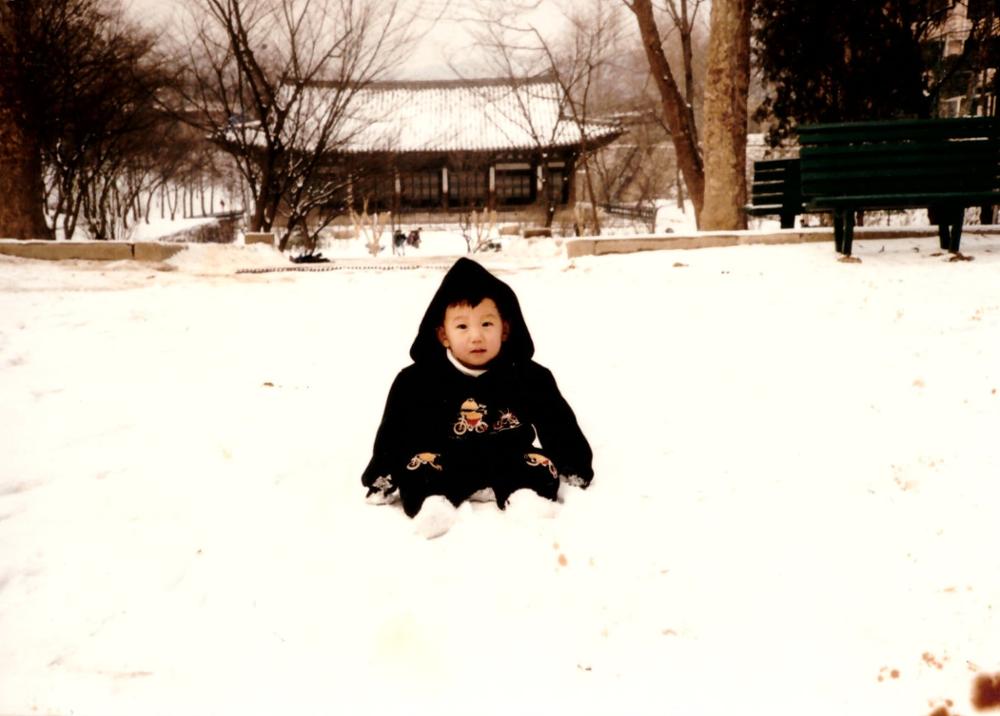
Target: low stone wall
714	239
154	251
89	250
258	238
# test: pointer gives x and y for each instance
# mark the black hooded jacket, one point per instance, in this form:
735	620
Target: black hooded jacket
477	424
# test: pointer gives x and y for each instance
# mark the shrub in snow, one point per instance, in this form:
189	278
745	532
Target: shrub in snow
370	227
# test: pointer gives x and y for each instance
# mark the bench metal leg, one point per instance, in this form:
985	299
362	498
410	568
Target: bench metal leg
950	222
843	230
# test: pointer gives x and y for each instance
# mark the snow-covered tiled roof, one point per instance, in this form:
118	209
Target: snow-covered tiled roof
461	115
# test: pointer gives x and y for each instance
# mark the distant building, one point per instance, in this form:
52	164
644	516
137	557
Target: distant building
453	145
964	50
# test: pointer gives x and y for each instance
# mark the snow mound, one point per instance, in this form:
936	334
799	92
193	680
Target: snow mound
436	517
535	248
159	230
226	258
526	505
670	218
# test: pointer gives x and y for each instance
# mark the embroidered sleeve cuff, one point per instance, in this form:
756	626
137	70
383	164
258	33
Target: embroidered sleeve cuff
382	491
574	481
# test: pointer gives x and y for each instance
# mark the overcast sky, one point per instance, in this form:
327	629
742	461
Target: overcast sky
445	37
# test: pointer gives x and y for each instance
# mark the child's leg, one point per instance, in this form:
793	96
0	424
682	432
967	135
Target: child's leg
413	490
416	480
533	471
425	475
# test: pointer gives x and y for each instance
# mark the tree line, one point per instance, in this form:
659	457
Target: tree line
83	138
99	114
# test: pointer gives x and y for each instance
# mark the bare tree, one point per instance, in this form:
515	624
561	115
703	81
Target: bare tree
88	80
581	66
101	161
577	60
639	168
683	15
725	115
677	111
499	36
477	229
274	81
178	156
21	188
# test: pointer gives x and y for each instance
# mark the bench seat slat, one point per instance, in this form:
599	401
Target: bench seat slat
775	198
888	201
765	209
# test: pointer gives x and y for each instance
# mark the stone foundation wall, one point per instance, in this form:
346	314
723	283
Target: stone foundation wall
89	250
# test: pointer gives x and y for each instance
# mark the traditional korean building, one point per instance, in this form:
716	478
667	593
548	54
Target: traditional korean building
436	147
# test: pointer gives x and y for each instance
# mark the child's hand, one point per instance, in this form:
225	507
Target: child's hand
382	491
537	459
574	481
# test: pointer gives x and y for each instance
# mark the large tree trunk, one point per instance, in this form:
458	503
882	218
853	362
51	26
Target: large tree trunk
688	53
678	115
21	188
591	194
725	116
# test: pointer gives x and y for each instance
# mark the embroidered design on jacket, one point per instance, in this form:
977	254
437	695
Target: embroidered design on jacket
535	460
506	421
423	458
470	418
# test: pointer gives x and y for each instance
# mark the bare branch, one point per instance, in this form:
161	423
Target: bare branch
275	81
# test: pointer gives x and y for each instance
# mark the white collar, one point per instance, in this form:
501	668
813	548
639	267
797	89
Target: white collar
474	372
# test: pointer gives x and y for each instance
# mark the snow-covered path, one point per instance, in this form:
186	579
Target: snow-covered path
794	509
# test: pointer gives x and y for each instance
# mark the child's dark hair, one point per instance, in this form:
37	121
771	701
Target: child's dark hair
472	294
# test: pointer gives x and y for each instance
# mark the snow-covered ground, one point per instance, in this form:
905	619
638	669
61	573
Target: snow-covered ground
794	509
158	229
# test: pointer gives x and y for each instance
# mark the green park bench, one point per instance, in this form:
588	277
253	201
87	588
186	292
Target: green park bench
775	190
943	165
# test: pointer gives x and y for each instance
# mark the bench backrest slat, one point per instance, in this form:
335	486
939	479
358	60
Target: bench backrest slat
909	157
898	130
776	182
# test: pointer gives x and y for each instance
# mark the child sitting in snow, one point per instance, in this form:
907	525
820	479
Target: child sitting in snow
474	412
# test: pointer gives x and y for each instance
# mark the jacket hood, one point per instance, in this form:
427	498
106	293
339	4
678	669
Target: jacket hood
468	281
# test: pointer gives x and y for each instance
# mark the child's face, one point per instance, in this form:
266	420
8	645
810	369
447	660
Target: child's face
474	334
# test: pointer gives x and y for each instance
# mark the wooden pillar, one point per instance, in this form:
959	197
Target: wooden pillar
491	196
397	192
444	187
538	197
569	175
